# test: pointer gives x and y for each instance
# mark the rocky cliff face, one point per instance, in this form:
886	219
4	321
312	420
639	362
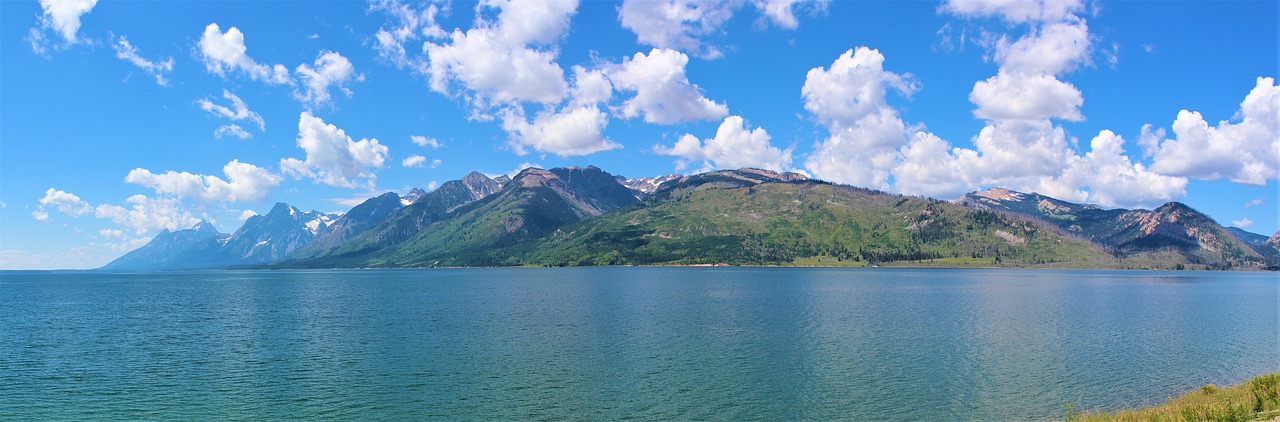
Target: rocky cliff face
1172	225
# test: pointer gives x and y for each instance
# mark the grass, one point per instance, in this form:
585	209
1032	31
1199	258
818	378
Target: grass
1256	399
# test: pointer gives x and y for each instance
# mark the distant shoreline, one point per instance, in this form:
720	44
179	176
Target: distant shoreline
717	265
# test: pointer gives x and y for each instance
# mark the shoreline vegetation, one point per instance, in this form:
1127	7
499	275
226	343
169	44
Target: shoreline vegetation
1257	399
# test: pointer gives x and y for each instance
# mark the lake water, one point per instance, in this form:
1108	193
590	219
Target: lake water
614	343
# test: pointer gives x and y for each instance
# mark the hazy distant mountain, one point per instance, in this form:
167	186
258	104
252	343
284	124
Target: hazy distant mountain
1251	238
164	247
262	239
1173	227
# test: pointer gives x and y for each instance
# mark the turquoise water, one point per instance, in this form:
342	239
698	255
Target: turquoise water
614	343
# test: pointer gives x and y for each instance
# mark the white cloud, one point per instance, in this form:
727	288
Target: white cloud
1244	151
1107	177
238	110
590	86
127	52
1051	49
573	131
677	24
63	17
246	214
330	70
414	161
779	12
145	215
1243	223
64	202
332	157
733	147
231	130
663	92
1016	154
865	133
424	141
1016	11
1024	97
245	183
495	61
410	24
1255	202
928	168
112	233
852	89
226	52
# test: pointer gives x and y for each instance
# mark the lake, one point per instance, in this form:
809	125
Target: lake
614	343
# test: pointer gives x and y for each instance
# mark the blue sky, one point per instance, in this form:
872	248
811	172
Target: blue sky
120	119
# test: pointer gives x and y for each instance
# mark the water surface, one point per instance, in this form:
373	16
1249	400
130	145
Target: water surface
613	343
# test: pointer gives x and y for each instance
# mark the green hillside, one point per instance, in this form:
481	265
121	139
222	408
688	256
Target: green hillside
737	217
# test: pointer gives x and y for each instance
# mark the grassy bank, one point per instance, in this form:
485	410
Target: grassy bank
1256	399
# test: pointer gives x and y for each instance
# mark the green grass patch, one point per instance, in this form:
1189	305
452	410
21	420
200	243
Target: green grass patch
1256	399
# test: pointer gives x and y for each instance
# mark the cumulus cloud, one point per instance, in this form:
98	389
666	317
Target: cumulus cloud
1244	150
244	183
1255	202
246	214
1021	96
144	214
333	158
664	94
854	87
928	168
236	112
1016	154
1019	148
573	131
734	146
330	70
424	141
1050	49
127	52
499	60
865	133
63	18
1107	177
64	202
224	52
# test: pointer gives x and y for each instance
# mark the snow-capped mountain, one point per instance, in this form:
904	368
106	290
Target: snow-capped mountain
645	186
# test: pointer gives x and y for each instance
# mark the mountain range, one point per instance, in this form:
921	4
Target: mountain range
586	216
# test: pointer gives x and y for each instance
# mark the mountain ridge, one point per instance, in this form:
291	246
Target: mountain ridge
586	216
